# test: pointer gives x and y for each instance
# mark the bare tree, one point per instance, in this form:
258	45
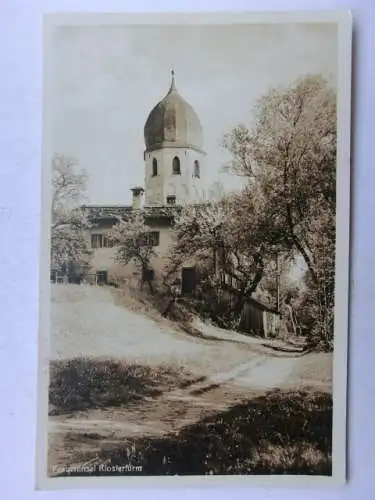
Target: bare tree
69	244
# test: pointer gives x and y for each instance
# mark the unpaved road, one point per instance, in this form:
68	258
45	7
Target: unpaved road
87	321
232	368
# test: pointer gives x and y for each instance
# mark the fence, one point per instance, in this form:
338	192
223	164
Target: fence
97	278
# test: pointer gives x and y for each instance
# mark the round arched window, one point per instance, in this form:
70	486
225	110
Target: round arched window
154	167
176	167
197	172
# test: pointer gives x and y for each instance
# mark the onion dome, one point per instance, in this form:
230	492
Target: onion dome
173	123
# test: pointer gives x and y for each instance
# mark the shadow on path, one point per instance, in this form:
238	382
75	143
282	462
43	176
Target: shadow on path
282	432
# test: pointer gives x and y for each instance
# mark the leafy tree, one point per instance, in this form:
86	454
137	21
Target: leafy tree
231	250
196	235
134	244
289	155
255	243
69	245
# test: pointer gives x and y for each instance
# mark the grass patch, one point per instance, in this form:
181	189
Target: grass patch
280	433
153	306
141	300
315	367
82	383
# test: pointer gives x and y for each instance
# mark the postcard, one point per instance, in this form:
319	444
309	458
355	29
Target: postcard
195	249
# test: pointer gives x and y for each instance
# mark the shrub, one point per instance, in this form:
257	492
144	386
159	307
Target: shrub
81	383
280	433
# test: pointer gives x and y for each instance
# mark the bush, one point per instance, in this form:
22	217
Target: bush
82	383
279	433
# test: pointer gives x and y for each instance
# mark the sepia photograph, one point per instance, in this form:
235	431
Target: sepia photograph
195	247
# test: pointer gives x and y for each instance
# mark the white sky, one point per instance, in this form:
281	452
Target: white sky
105	81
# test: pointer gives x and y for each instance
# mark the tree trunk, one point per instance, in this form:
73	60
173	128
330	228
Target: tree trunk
291	315
299	246
168	309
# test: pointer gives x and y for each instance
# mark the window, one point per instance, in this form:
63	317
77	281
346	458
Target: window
197	173
57	276
171	200
107	243
100	241
152	238
176	167
154	167
97	241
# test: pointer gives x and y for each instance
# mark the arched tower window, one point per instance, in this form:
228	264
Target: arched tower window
197	172
176	166
154	167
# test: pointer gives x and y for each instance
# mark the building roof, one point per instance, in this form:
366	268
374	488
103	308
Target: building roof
260	305
173	123
102	212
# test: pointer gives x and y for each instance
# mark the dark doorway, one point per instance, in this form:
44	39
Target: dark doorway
188	280
148	275
101	277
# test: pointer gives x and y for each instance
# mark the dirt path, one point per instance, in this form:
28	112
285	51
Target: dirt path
173	409
232	368
89	433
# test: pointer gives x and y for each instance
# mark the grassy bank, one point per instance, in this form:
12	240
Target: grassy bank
283	432
82	383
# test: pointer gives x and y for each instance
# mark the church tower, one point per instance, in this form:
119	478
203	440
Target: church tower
173	155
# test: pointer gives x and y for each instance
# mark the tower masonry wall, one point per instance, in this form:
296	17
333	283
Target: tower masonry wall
186	186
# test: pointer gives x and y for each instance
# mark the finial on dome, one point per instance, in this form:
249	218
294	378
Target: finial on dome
173	83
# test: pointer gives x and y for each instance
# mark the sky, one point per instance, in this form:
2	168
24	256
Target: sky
104	81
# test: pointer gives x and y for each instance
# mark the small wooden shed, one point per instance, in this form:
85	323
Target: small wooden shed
259	319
